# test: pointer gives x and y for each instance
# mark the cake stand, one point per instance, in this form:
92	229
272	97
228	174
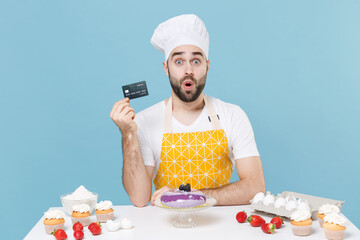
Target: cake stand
184	219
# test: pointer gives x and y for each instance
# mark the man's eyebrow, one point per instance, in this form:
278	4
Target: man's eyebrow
176	53
198	53
180	53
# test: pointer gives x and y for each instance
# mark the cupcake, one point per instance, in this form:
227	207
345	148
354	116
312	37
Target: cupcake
301	223
81	213
334	226
53	220
104	211
324	210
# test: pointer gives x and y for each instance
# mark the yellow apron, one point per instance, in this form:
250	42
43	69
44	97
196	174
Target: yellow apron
199	158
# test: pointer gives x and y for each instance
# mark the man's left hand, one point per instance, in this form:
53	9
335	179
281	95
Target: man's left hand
157	194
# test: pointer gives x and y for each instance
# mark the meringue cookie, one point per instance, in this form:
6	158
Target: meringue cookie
259	197
113	226
126	223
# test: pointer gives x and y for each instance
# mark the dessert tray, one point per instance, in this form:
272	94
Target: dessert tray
184	219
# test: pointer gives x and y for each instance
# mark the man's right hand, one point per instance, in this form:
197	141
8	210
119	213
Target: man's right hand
123	116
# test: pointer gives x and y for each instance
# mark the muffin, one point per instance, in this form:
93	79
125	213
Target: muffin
324	210
53	220
104	211
81	213
301	222
334	226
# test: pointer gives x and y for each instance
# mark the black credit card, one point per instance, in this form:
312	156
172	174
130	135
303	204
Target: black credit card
135	90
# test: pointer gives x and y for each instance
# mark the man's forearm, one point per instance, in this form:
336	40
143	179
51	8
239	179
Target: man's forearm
136	181
240	192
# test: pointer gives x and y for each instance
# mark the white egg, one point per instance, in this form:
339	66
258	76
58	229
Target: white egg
112	226
291	205
269	199
303	205
259	197
280	201
126	223
289	198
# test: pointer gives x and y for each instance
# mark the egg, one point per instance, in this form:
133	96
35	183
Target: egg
290	205
259	197
126	223
280	201
113	226
269	199
289	198
303	205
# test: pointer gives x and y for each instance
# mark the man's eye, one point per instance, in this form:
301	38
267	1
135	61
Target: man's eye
178	62
196	61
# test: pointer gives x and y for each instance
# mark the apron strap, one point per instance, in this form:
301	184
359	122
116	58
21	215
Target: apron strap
212	114
168	116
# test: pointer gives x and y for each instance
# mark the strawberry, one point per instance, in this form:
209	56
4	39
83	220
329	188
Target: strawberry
241	217
59	234
78	235
78	226
95	228
278	221
255	220
268	228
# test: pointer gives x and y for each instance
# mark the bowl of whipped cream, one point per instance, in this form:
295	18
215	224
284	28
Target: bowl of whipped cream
80	196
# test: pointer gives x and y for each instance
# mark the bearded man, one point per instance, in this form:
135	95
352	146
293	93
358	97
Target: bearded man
189	137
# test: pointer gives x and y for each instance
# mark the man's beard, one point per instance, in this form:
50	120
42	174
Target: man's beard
184	95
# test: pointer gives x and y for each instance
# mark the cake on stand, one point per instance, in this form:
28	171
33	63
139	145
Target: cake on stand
184	219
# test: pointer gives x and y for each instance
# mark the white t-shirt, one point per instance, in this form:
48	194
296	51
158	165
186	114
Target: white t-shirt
233	120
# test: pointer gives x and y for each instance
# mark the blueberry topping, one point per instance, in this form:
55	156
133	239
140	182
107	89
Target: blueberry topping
185	188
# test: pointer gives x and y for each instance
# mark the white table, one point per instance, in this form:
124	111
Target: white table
212	223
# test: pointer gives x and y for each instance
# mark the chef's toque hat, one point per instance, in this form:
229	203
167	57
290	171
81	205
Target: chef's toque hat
185	29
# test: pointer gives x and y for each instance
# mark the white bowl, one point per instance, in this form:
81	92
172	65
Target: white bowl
68	204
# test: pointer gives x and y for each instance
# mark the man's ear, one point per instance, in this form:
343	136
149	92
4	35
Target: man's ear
166	68
207	66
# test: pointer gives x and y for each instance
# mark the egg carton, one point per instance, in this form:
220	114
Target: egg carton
314	203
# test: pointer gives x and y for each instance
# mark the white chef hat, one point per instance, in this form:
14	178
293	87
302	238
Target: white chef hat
185	29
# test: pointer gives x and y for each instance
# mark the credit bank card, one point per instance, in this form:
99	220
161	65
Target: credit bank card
135	90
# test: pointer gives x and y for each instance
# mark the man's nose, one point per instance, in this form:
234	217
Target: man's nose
189	69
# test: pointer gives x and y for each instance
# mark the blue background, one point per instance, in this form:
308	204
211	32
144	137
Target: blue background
293	66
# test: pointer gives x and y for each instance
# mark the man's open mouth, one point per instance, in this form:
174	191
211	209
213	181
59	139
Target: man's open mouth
188	85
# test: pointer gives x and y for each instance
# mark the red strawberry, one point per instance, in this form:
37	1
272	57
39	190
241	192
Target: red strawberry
78	226
59	234
255	220
241	217
78	235
268	228
278	221
95	228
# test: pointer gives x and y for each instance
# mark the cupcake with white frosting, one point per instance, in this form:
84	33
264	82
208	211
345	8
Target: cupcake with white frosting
334	226
301	223
81	213
325	210
104	211
53	220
